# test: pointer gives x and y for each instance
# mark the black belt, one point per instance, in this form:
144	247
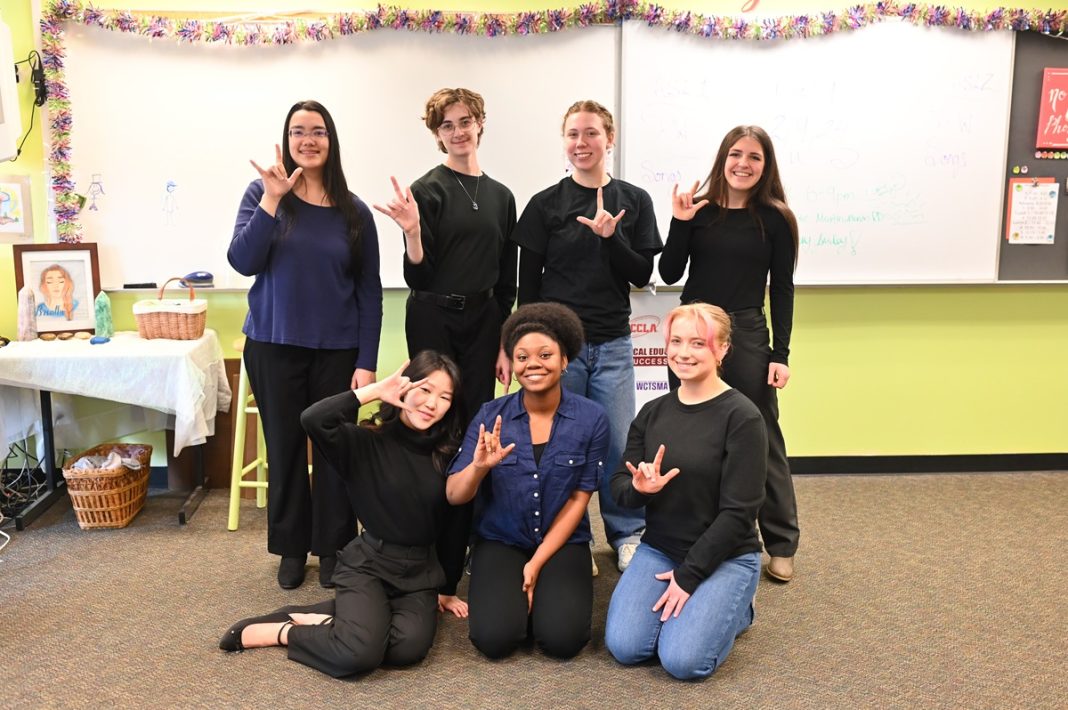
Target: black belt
406	552
452	301
748	312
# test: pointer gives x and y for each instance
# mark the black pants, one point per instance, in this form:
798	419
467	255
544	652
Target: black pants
385	610
746	369
471	337
563	600
300	516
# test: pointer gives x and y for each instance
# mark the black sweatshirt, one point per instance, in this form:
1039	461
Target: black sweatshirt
730	260
394	488
465	251
707	513
565	262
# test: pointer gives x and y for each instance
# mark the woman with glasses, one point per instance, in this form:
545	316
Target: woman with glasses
458	261
315	314
583	242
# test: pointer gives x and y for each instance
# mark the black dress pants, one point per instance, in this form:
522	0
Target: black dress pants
385	610
471	337
563	600
285	379
746	369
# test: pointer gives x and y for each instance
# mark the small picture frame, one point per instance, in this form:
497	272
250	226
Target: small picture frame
16	215
65	279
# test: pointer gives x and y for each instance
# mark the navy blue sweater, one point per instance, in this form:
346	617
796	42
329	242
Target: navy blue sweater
305	293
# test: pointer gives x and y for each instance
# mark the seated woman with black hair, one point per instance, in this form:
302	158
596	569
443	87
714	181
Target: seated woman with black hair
530	563
390	584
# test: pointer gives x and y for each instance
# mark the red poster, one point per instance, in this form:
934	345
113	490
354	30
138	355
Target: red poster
1053	109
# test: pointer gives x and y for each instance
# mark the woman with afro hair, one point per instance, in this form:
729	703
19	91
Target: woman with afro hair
531	460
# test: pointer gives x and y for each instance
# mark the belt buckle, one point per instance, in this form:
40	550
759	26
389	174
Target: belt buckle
455	302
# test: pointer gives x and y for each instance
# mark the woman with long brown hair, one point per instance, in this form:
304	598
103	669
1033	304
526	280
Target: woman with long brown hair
735	235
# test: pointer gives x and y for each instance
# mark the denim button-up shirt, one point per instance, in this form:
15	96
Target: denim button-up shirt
518	500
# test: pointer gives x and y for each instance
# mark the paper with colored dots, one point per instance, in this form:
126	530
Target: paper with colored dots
1032	210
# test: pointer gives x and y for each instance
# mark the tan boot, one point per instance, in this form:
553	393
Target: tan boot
781	569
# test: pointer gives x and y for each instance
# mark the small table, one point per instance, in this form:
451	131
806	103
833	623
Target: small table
184	379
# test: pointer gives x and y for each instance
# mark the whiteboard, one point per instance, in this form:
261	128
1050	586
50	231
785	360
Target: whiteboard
891	140
148	113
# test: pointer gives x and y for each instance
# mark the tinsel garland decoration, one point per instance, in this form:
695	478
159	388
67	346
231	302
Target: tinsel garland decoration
723	27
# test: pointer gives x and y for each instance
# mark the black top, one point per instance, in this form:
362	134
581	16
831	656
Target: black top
465	251
730	259
391	480
538	450
564	261
707	513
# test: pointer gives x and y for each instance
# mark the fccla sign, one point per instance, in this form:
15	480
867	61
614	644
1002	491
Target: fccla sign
644	325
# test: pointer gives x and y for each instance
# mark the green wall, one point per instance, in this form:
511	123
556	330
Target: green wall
875	370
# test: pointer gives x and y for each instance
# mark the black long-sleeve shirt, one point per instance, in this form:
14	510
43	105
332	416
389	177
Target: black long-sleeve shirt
707	513
465	251
565	262
394	488
730	260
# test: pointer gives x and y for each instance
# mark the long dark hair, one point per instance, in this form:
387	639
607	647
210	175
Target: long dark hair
768	192
448	431
334	182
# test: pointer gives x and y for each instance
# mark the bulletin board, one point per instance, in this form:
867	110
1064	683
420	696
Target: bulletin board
1034	262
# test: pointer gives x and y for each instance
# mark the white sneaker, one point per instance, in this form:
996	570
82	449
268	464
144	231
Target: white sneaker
624	555
593	561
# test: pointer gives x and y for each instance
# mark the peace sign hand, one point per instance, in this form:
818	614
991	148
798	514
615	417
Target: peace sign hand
402	209
603	223
275	181
488	452
682	205
646	478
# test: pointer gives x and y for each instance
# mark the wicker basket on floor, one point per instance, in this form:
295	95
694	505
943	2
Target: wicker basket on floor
109	497
172	318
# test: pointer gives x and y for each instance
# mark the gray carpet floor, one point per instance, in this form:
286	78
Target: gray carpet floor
934	591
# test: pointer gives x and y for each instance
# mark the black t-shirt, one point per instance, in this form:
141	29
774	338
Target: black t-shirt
579	269
465	251
730	259
390	477
707	513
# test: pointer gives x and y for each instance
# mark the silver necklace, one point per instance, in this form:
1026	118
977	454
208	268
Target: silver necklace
474	200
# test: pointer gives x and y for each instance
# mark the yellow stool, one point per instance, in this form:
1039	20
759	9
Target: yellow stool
246	404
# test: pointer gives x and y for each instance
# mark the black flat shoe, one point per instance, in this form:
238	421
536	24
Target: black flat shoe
231	640
327	564
291	572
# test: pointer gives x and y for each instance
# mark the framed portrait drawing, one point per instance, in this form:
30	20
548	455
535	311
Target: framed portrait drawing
65	279
16	217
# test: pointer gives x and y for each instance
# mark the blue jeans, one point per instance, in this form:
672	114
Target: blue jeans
605	374
693	645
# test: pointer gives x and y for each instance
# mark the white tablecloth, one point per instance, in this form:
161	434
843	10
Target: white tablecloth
184	379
